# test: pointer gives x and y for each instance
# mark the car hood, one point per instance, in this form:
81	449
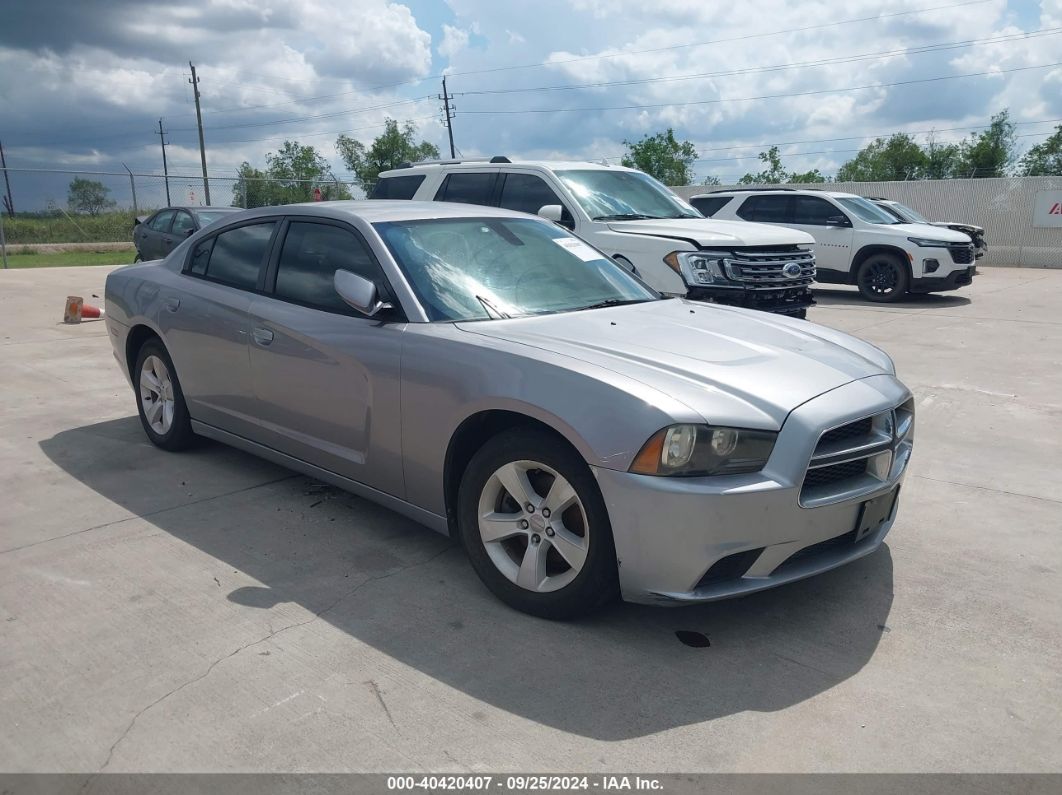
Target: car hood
731	366
710	232
932	232
961	227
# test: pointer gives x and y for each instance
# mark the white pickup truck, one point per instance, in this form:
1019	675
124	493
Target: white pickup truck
634	219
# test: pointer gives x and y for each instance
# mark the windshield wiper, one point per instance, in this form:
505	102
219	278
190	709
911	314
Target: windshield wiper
491	307
625	217
612	302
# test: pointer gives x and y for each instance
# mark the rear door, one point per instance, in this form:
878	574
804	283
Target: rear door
206	323
468	187
183	225
326	377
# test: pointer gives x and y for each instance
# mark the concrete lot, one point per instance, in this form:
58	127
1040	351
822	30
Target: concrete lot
211	612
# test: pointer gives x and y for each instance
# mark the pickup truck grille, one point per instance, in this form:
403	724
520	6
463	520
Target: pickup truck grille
856	457
766	270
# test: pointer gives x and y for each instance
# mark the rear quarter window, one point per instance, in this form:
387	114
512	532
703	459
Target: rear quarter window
468	188
396	187
710	205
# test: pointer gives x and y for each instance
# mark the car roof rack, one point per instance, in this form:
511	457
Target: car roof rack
455	160
752	190
878	199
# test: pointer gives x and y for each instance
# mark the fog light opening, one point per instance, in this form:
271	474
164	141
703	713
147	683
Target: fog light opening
930	266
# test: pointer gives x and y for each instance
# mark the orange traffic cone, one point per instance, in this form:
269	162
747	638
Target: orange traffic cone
77	310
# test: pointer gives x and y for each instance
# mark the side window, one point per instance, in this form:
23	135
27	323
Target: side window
200	257
309	259
238	255
710	205
526	193
813	211
183	224
161	221
470	188
396	187
766	209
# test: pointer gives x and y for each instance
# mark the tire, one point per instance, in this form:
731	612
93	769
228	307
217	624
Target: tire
556	569
882	278
159	399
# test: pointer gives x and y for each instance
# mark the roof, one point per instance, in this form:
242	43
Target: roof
784	191
377	210
476	165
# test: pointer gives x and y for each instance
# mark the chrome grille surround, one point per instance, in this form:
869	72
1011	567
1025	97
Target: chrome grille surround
856	457
765	270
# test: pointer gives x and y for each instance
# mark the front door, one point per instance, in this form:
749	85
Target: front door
327	378
830	227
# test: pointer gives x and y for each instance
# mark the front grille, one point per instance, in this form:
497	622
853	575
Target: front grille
835	473
855	456
850	431
962	254
764	270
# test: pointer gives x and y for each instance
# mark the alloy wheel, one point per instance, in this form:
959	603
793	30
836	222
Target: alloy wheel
156	394
880	278
533	526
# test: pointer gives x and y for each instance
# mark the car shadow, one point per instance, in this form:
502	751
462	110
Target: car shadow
411	594
851	297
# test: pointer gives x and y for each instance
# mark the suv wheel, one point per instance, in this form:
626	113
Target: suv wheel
535	527
882	278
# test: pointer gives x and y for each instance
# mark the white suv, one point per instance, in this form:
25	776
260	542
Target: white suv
635	220
856	242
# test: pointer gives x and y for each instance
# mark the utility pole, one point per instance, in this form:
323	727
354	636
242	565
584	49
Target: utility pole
445	97
199	120
9	203
132	188
165	171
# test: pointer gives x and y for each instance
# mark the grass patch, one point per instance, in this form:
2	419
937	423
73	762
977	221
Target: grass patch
71	258
112	227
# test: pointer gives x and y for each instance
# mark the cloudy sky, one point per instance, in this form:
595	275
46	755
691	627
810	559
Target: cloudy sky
84	82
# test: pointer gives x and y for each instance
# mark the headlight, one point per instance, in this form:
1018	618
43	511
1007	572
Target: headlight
698	450
926	242
700	267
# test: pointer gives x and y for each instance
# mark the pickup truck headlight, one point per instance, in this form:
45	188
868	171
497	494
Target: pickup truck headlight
926	242
698	450
699	268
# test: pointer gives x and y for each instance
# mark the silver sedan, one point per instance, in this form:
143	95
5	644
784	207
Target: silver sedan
489	375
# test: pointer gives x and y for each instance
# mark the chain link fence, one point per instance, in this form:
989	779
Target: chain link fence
62	206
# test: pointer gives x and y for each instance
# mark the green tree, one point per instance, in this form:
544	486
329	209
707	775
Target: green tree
710	180
389	150
991	152
663	157
1044	159
808	176
773	174
897	157
943	161
88	196
291	176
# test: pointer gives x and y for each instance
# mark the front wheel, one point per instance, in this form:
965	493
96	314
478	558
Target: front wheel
535	527
882	278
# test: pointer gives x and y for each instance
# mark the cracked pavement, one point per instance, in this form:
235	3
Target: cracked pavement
209	611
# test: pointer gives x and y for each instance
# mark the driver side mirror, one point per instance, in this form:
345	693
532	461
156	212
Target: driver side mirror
838	220
189	232
359	293
555	213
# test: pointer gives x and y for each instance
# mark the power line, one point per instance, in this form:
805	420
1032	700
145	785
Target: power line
918	50
764	96
293	120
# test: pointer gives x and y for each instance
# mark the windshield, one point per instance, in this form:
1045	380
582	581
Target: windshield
867	210
912	216
623	195
207	217
483	268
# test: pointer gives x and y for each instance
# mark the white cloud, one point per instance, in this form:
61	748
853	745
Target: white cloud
454	40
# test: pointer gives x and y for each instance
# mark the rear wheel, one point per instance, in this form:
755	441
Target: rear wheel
535	527
159	399
882	278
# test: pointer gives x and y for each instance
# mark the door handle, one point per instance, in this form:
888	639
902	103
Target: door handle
263	336
172	304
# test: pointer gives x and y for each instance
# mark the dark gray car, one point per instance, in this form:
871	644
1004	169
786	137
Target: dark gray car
156	235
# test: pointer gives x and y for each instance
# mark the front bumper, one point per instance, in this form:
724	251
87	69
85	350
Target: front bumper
676	538
789	301
952	281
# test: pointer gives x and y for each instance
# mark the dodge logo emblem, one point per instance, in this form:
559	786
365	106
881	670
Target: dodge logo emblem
791	270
